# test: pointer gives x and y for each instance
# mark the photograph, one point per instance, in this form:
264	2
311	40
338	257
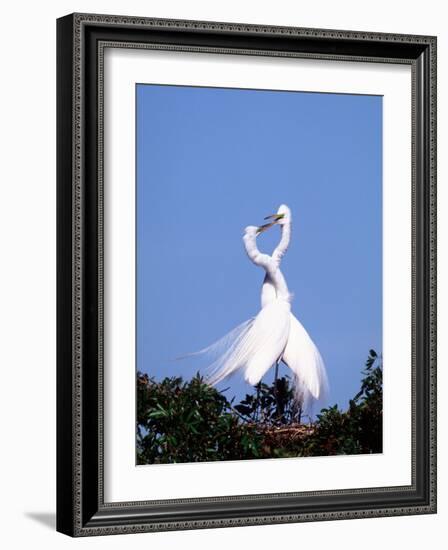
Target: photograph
258	274
246	305
223	237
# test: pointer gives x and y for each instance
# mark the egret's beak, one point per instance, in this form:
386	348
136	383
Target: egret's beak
275	217
264	227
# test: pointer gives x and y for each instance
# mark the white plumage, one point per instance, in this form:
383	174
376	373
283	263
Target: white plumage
256	347
303	358
275	334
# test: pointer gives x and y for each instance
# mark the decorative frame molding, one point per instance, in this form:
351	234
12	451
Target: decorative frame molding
81	42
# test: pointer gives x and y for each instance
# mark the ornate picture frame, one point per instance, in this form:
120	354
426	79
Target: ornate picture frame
81	506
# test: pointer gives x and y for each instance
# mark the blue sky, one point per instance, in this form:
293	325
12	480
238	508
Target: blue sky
211	161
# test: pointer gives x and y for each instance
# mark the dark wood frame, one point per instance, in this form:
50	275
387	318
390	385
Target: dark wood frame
81	510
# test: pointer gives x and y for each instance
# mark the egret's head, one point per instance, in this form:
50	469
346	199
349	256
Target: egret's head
251	230
282	217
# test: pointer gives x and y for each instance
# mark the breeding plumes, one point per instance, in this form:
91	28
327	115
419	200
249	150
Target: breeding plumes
274	334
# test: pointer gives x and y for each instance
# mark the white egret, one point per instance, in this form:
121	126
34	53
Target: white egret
274	334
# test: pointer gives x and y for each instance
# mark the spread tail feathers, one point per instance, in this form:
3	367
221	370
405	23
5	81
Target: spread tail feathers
303	358
252	347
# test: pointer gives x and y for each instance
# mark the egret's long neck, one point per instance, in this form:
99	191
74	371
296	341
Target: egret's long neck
278	282
283	245
273	273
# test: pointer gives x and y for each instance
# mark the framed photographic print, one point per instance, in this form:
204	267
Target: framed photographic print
246	274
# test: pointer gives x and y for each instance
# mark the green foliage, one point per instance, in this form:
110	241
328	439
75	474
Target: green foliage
272	405
359	430
188	422
192	422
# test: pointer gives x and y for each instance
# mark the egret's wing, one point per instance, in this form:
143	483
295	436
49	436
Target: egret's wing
267	339
235	348
222	345
303	358
252	347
